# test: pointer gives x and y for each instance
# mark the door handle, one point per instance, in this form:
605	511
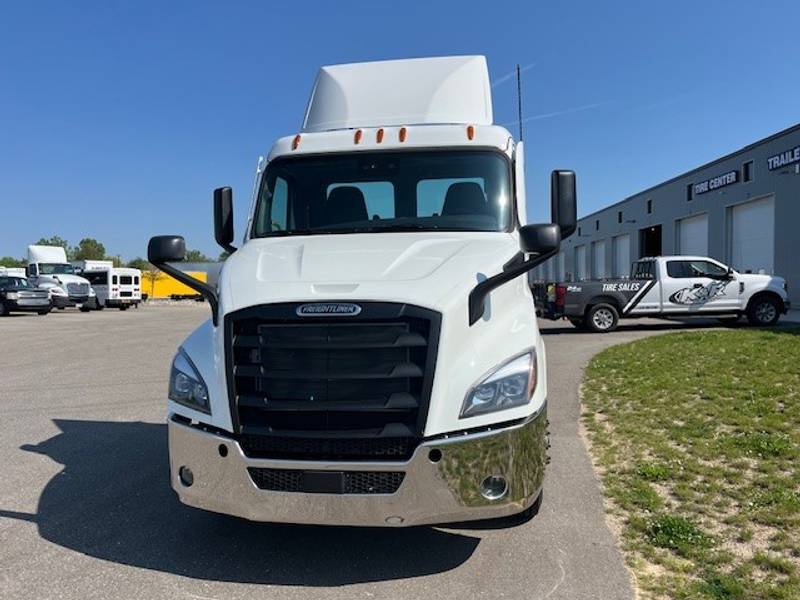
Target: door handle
697	285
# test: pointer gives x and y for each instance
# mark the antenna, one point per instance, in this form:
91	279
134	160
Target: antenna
519	100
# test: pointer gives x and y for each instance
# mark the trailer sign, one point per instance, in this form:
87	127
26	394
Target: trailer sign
716	182
784	158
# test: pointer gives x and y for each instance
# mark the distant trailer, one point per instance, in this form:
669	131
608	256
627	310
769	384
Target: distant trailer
160	285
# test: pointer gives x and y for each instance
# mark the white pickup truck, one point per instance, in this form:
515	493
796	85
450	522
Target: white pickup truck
373	357
671	286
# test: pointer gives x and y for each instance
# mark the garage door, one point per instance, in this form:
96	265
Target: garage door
599	259
693	235
580	262
753	235
622	255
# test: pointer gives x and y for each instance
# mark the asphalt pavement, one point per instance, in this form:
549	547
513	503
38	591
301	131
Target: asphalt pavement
86	510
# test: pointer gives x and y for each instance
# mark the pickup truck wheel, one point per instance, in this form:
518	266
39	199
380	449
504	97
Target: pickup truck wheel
43	312
602	318
3	311
763	312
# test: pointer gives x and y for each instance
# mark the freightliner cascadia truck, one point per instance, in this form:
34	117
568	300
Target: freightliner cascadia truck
372	356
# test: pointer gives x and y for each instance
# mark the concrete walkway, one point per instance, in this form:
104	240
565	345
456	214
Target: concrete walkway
86	509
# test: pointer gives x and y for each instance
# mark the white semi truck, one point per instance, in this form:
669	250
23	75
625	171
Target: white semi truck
373	356
48	268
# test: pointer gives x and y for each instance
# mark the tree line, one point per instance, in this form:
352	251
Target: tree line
92	249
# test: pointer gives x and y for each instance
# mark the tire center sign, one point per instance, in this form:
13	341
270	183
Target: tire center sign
717	182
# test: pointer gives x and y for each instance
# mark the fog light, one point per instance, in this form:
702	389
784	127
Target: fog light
494	487
186	476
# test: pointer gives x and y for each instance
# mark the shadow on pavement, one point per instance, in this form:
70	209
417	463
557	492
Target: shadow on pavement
113	501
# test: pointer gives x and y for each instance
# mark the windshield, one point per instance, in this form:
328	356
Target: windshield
96	277
465	190
56	269
14	283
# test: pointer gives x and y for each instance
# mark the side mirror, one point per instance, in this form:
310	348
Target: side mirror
563	202
223	218
166	248
540	239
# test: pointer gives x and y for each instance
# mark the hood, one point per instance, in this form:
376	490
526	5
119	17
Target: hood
414	267
64	278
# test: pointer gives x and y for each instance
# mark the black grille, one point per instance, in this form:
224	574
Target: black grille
346	482
336	387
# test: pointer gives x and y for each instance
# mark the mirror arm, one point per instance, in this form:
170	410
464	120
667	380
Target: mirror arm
477	297
202	288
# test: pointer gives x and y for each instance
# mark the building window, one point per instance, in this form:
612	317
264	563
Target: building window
649	207
597	225
747	171
619	216
689	190
579	231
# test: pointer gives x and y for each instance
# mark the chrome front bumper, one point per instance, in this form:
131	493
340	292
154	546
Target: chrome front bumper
431	492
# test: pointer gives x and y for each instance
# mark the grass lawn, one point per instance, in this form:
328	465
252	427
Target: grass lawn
696	437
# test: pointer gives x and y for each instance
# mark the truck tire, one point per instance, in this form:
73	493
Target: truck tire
763	311
602	318
3	311
43	312
84	308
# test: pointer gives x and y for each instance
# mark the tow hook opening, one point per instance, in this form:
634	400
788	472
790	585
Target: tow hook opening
186	476
494	487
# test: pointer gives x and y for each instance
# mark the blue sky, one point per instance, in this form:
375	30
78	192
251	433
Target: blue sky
117	119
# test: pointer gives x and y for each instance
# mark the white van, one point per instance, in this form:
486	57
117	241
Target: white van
115	287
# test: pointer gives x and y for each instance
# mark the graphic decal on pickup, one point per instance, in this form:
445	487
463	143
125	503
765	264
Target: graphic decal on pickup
699	294
641	290
625	286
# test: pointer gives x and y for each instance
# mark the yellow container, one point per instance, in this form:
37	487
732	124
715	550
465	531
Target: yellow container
161	285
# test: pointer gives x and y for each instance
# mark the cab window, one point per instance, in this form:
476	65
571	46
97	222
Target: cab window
688	269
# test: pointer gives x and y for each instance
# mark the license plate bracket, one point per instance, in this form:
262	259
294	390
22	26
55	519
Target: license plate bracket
323	482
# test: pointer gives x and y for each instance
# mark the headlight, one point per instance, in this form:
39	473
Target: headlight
12	295
186	386
509	385
91	292
57	291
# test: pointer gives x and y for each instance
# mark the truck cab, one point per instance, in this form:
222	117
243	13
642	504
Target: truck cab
48	268
373	356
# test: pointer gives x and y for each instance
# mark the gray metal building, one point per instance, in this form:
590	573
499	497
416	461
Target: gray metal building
742	209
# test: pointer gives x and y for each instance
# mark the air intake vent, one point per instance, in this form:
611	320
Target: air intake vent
336	387
325	482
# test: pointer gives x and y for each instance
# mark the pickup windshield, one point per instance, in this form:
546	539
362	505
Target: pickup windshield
56	269
465	190
14	283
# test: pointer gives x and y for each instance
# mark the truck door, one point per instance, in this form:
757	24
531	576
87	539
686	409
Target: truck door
647	296
126	287
698	285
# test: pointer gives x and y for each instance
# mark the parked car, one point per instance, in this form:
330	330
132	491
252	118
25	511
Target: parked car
670	286
18	295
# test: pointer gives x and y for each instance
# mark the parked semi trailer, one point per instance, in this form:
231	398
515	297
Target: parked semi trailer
372	357
163	285
668	286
